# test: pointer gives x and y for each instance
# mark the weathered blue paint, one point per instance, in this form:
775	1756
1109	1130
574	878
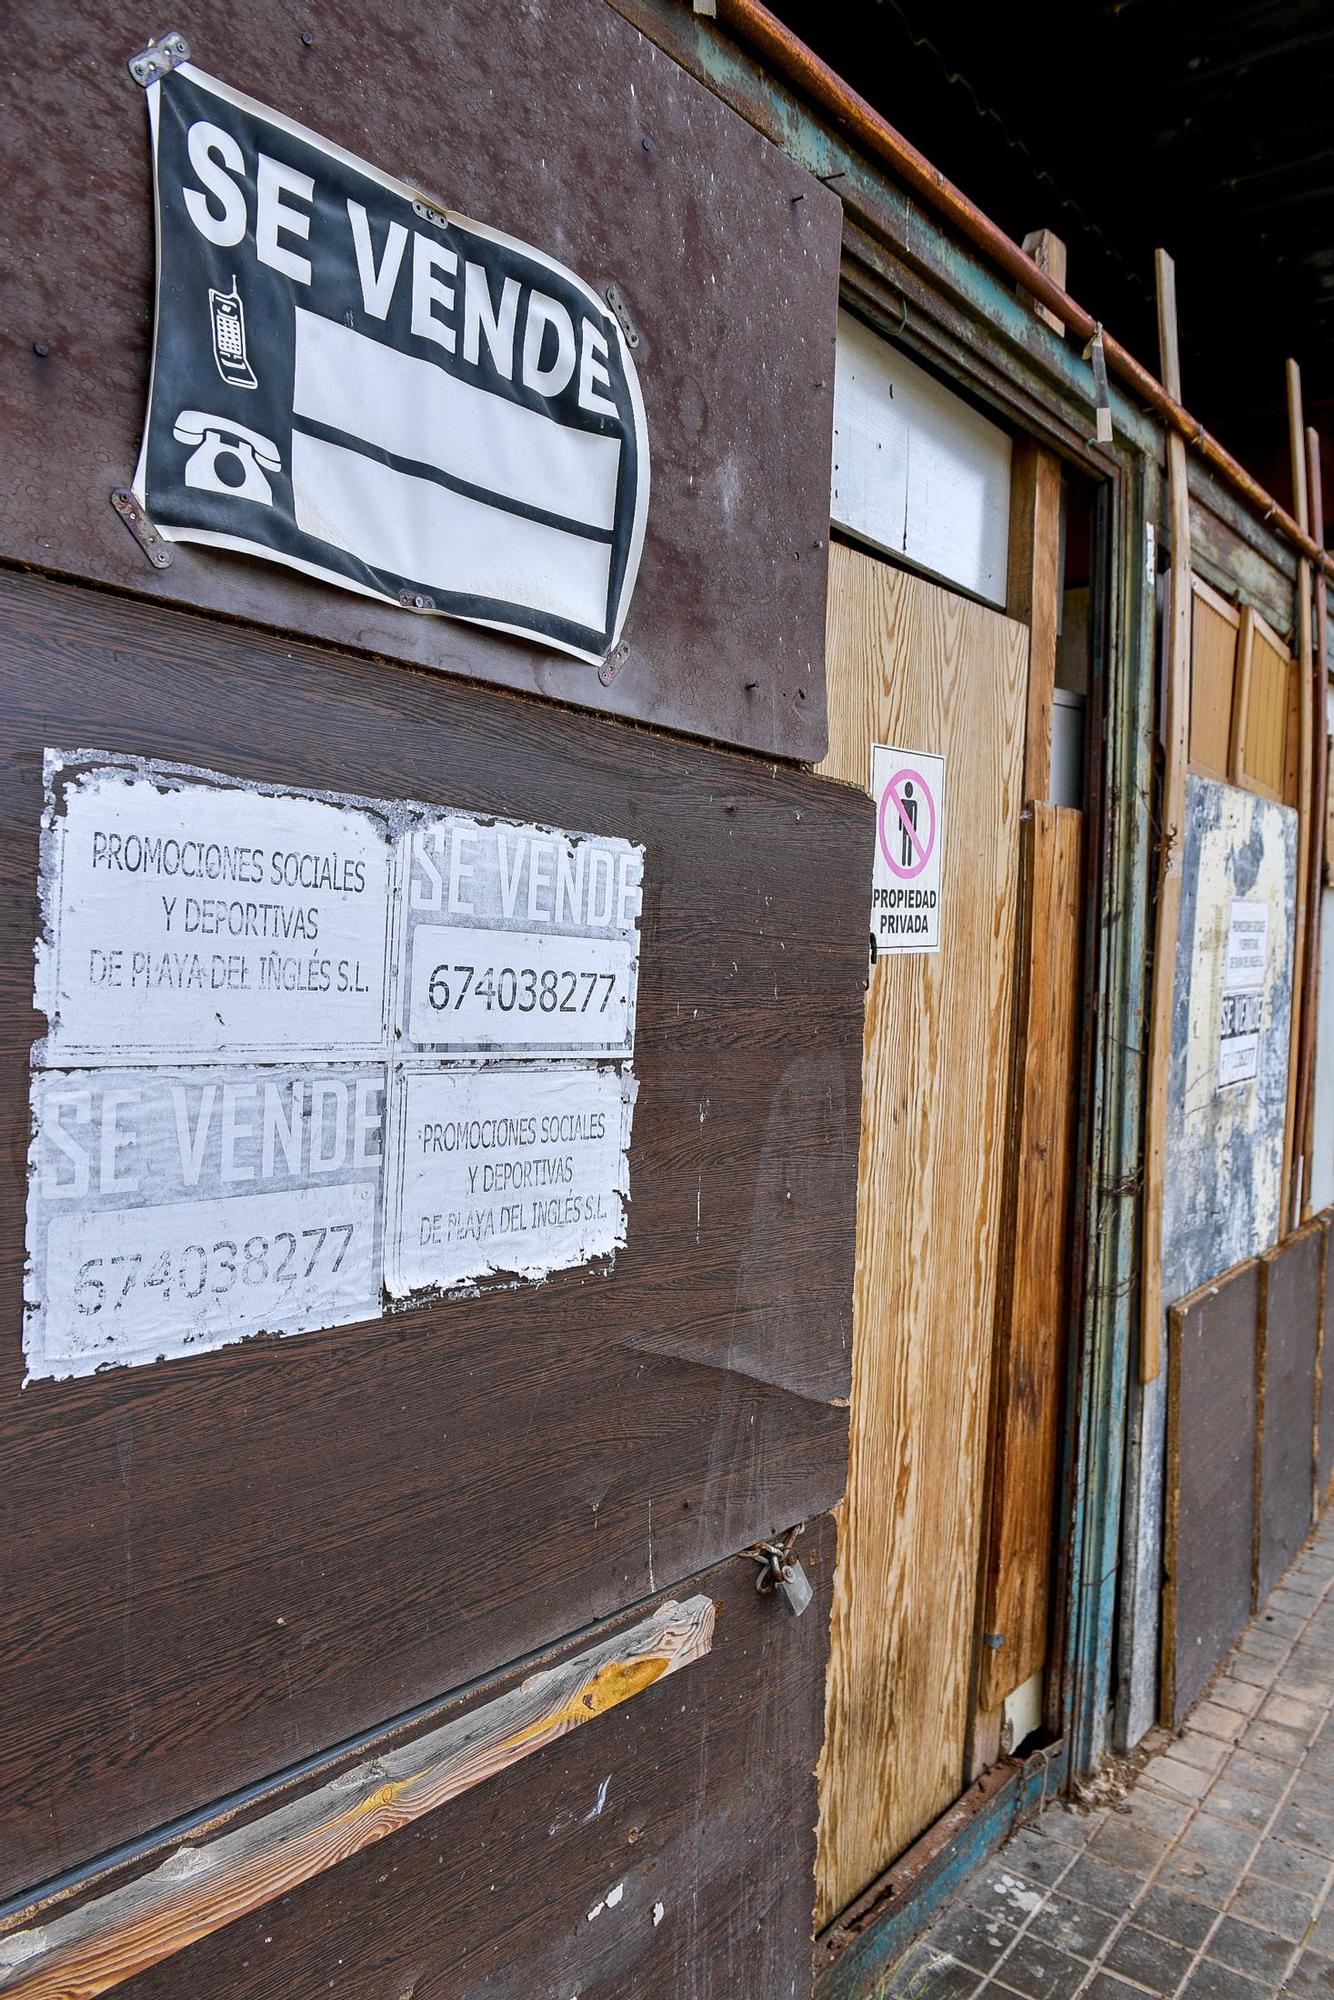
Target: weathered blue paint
862	1963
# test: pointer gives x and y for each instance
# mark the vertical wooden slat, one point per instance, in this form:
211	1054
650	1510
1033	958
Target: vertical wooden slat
1035	1274
1172	811
1293	1168
1319	810
1033	593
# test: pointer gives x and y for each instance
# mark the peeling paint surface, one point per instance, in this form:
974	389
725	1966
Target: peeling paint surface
308	1055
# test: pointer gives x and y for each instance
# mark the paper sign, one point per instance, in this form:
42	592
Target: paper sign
908	787
311	1054
1245	966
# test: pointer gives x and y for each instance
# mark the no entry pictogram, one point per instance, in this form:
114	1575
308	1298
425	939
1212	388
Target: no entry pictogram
908	787
907	824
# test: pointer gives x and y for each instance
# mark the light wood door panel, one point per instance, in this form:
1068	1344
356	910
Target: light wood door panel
911	664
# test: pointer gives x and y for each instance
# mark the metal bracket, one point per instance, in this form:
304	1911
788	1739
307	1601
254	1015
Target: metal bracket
622	312
158	551
1102	401
430	213
613	663
163	54
416	600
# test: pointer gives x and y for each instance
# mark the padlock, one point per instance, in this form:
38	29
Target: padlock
793	1586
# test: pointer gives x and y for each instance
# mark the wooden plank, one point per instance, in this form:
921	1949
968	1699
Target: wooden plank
1035	1284
200	1889
1210	1494
1262	745
1172	807
1288	1328
1309	700
1033	595
1324	1444
1213	680
233	1559
913	665
1317	864
917	471
735	303
1048	252
666	1848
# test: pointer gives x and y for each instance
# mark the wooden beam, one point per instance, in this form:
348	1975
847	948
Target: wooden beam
1299	1038
199	1889
1033	594
1172	813
1048	252
1320	801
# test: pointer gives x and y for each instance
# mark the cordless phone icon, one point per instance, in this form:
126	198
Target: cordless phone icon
229	344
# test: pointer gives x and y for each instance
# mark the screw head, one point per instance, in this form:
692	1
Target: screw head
308	40
40	347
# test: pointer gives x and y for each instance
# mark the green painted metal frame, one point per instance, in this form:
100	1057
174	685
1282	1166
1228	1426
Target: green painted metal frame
935	296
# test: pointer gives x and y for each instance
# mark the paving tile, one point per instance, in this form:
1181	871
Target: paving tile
1286	1911
1258	1772
1293	1867
1314	1790
1239	1695
1302	1716
1070	1824
1036	1853
1312	1978
974	1937
1257	1642
1248	1949
1220	1839
1205	1752
1150	1961
1168	1914
1129	1846
1188	1873
1072	1927
1306	1829
1106	1986
1215	1718
1010	1895
1321	1937
1182	1781
1320	1757
1153	1813
1106	1887
1210	1981
1240	1804
1040	1973
1275	1740
927	1975
1249	1667
1284	1624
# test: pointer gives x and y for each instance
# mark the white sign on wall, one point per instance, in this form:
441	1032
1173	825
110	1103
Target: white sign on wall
908	787
308	1055
1245	967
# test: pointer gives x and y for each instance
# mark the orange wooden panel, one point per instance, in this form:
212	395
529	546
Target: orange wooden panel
1213	662
1265	738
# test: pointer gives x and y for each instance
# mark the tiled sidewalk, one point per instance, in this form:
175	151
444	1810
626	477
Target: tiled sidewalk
1213	1878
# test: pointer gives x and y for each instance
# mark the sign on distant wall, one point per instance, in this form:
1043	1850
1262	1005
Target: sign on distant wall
358	384
908	787
310	1054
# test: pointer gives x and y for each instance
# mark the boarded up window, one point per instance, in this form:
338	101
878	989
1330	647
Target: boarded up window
1213	661
1265	729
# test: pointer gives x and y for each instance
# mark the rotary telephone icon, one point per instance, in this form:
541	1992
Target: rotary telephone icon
228	457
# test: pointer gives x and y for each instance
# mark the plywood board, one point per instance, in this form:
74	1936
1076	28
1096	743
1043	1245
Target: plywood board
1031	1315
916	666
1264	737
1289	1328
562	125
1213	663
1212	1411
662	1847
917	471
225	1562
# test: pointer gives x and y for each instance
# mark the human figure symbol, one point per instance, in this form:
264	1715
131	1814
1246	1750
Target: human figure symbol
908	807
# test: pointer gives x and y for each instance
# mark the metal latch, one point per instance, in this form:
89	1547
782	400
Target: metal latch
780	1571
163	54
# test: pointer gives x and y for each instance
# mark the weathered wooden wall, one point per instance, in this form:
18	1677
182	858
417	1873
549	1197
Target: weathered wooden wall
232	1561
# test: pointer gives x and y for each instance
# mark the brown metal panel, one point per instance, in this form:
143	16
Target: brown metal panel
693	1805
552	119
1289	1323
1324	1470
1210	1503
232	1560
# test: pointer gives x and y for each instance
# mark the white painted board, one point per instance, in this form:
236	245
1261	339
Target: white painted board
908	787
917	472
439	1097
1241	1009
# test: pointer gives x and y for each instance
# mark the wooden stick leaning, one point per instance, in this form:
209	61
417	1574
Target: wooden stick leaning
1300	1032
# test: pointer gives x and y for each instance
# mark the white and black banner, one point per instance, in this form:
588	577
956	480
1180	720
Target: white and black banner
353	382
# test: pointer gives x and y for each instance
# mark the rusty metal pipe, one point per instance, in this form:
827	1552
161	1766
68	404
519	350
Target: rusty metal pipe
753	23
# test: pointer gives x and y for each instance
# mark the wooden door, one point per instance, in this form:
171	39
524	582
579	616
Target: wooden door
913	665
